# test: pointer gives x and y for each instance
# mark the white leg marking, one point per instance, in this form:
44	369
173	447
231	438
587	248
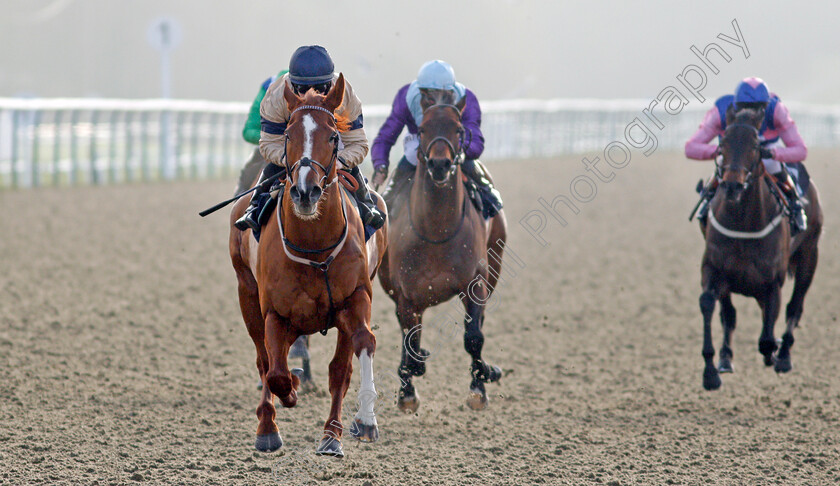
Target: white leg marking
367	392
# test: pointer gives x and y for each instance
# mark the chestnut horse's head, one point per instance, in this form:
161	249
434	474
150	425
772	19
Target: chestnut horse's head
441	134
312	138
741	151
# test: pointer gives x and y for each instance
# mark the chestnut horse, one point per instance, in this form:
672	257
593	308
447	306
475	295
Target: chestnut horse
749	249
442	250
311	271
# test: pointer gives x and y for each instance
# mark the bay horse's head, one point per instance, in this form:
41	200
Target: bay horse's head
740	147
312	139
441	134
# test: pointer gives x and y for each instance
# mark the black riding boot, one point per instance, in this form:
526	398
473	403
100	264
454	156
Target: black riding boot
367	207
798	219
404	171
490	197
249	219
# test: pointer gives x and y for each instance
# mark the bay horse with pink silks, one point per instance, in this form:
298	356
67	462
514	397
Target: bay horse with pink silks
445	249
311	271
749	249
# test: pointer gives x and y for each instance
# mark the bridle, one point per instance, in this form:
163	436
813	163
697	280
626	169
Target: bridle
749	171
457	154
306	161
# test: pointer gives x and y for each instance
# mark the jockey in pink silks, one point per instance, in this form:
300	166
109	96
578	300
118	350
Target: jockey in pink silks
781	143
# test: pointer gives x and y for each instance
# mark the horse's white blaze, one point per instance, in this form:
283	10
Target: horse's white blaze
303	187
309	126
367	391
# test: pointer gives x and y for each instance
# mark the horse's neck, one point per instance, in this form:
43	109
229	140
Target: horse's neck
436	209
757	207
315	233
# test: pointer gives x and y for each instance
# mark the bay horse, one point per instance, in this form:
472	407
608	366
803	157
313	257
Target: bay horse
749	250
442	249
310	272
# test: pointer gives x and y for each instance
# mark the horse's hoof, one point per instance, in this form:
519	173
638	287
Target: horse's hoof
364	432
408	404
330	446
769	360
711	379
269	442
783	365
725	366
477	400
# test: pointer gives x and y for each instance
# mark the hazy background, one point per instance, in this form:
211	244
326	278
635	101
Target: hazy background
499	48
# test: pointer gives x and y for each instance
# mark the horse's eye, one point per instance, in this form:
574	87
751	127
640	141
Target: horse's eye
334	137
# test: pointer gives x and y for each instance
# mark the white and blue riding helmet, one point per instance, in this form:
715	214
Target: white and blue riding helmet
435	74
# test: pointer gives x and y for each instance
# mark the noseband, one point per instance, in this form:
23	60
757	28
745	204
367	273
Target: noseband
306	161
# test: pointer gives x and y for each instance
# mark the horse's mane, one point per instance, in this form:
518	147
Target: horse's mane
312	97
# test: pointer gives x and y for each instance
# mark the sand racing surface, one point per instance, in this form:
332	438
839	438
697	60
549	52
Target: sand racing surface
124	359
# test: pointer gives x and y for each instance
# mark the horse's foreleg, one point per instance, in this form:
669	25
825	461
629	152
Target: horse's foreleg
495	248
268	436
300	349
278	339
806	266
473	343
770	305
727	320
711	376
413	359
356	320
341	367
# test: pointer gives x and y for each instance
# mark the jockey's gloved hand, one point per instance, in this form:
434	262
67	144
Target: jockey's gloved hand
765	153
379	176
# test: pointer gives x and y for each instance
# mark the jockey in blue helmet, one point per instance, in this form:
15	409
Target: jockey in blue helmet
310	67
407	113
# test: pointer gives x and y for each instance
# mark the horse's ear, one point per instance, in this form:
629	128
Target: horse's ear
730	114
426	100
336	95
461	104
292	100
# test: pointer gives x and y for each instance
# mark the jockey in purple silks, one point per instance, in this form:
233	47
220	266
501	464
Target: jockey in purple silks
781	143
407	113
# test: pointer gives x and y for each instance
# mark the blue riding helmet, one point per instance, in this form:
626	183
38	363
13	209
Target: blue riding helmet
752	90
432	75
438	75
311	65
